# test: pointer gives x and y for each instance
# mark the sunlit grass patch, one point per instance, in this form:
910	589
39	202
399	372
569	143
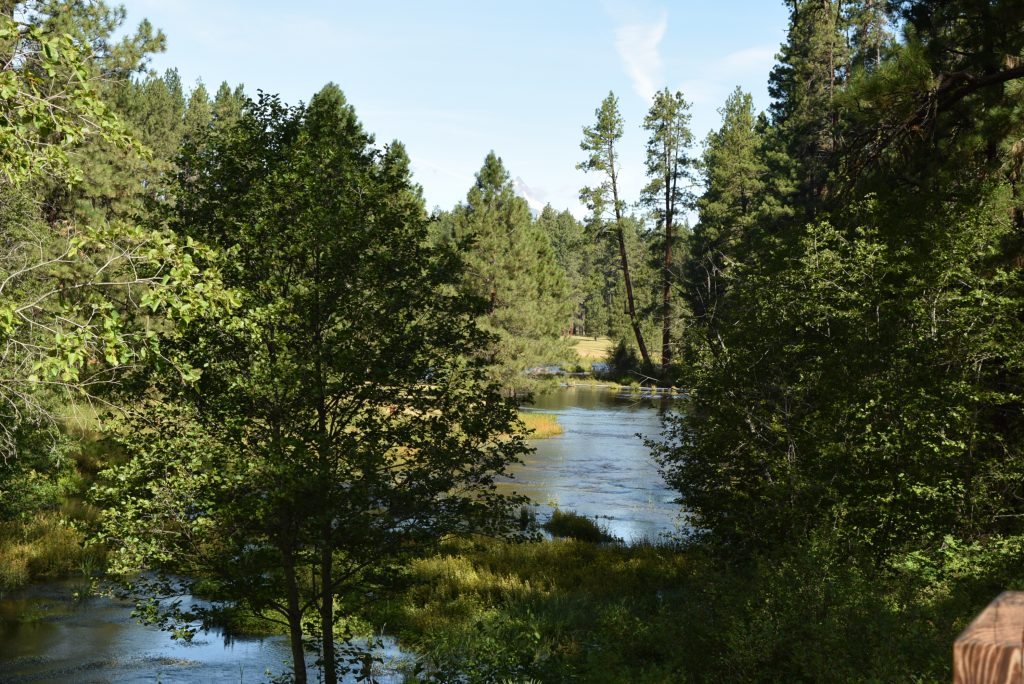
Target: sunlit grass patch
575	526
44	546
541	425
592	349
492	611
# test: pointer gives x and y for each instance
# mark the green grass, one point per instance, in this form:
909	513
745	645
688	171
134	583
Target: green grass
572	525
570	611
592	349
44	546
541	425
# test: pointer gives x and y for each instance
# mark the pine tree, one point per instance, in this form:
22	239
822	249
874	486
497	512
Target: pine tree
813	65
568	246
604	202
735	175
510	264
668	191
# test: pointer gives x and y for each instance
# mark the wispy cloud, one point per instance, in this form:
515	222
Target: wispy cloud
637	44
711	80
753	59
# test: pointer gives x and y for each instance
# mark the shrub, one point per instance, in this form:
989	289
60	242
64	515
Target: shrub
575	526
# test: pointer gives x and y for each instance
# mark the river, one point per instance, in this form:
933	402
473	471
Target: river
599	466
56	632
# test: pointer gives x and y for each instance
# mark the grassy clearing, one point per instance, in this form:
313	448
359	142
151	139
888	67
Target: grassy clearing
541	425
592	349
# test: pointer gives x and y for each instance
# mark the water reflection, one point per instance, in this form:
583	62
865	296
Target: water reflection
599	466
47	635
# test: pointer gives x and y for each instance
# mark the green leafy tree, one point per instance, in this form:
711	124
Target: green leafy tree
340	422
862	396
75	299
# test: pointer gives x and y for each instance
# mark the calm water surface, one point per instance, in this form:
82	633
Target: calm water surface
49	636
599	466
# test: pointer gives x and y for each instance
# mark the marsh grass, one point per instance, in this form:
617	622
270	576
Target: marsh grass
482	610
541	425
572	525
492	611
44	546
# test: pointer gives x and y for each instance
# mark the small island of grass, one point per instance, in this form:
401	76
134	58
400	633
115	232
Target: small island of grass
541	425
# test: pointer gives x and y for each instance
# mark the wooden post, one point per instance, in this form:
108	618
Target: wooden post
991	649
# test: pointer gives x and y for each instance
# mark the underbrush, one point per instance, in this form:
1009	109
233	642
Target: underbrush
569	611
43	546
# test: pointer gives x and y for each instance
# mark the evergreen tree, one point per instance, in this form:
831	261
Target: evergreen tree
668	192
813	65
568	246
735	176
604	202
510	264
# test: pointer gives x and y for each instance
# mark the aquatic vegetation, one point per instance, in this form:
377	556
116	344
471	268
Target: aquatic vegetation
540	425
572	525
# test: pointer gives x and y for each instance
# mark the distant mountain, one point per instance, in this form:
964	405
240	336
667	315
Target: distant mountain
530	195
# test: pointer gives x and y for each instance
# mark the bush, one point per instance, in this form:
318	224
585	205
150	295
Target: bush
572	525
623	360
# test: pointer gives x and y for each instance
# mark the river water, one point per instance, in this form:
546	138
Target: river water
56	632
599	466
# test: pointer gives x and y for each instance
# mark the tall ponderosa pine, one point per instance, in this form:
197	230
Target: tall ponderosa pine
735	184
604	202
668	192
813	64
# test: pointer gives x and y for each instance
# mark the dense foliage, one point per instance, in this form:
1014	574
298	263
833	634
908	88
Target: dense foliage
856	345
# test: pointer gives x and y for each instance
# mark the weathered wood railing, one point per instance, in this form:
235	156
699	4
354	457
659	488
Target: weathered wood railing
991	649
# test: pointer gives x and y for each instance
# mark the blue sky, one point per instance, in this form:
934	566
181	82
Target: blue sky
454	80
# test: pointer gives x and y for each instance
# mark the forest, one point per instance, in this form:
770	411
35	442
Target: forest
242	360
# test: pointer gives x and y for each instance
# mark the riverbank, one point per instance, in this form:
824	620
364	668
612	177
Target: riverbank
46	545
483	610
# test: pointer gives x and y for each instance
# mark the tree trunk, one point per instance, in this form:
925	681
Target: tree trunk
327	613
631	308
666	289
294	619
